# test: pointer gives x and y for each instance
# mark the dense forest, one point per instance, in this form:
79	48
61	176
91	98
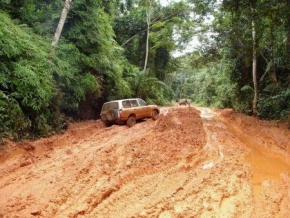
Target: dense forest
128	48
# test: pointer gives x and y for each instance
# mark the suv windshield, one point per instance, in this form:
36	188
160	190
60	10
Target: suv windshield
110	105
142	102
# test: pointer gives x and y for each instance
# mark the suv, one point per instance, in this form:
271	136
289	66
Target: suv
127	111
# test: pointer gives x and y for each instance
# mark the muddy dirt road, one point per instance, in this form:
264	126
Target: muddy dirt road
188	163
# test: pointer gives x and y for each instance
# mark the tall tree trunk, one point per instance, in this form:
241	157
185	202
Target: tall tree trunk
62	19
254	70
147	38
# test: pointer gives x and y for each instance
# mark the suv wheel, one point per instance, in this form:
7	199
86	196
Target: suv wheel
131	121
111	115
154	114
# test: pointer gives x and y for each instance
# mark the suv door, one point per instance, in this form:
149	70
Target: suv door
136	109
126	111
144	110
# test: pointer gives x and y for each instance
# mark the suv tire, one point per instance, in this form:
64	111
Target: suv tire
131	121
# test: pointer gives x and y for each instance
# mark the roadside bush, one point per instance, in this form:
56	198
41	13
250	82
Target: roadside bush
276	106
14	124
26	83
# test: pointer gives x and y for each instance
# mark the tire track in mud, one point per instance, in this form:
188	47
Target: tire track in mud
154	172
140	189
101	167
185	164
110	187
225	154
62	167
205	187
186	188
109	165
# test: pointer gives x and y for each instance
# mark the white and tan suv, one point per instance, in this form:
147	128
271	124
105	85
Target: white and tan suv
128	111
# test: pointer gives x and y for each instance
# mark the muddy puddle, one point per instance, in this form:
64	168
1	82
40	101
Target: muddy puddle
265	166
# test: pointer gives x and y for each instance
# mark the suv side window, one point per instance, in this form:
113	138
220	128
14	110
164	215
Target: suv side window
142	102
126	104
134	103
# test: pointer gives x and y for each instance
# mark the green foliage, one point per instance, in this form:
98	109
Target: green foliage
276	106
38	84
149	88
206	85
74	84
102	49
27	84
131	30
89	29
234	38
39	15
14	124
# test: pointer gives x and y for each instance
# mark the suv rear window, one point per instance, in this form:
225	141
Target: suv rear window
110	105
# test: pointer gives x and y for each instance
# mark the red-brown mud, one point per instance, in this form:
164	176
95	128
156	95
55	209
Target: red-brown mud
189	163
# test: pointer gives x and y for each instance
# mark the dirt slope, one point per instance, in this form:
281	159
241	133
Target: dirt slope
188	163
